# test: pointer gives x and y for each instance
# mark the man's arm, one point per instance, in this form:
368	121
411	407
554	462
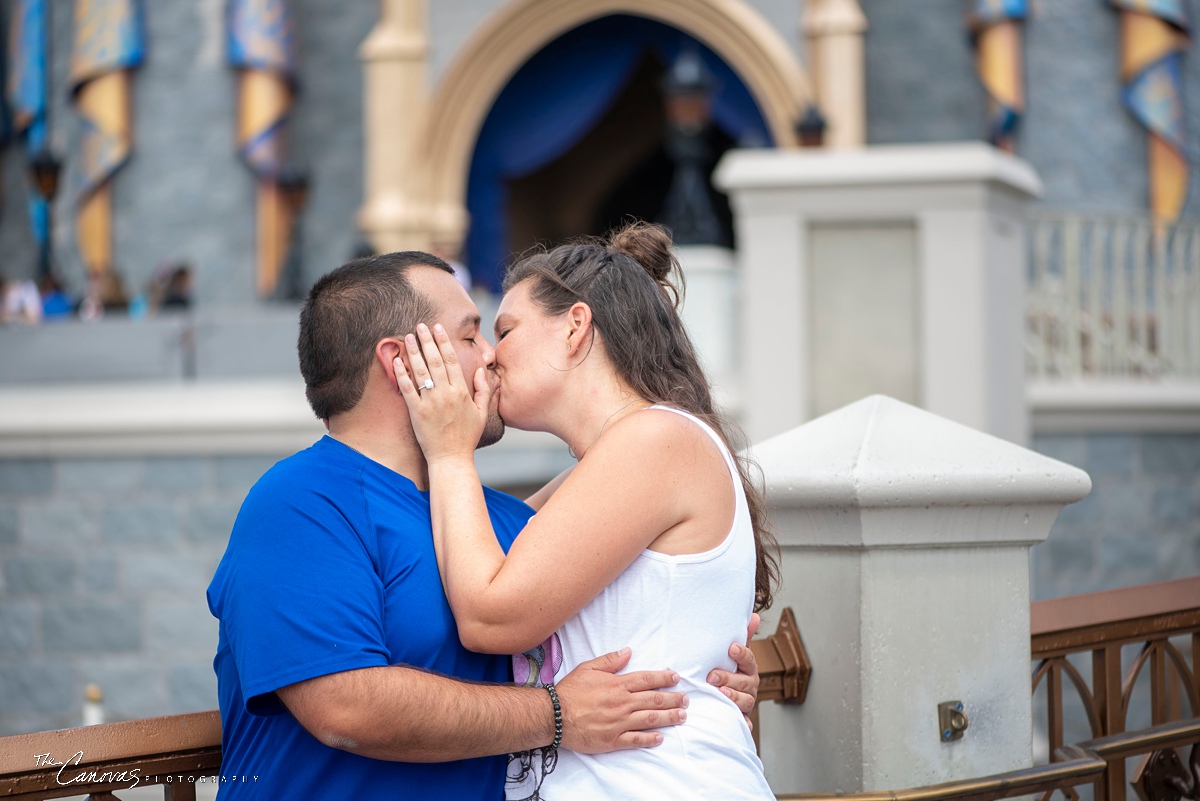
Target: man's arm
538	499
406	715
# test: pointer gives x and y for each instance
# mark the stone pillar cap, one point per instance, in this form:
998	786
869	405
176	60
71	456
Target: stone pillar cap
882	453
878	165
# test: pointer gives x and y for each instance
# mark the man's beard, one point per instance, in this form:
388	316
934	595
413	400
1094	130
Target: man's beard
493	430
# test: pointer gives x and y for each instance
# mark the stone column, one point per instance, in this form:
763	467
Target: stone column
894	269
394	215
905	554
834	31
710	314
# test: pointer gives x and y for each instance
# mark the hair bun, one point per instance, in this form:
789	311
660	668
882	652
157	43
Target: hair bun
651	247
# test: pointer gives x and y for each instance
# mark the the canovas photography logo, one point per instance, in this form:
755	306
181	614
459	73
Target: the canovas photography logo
70	772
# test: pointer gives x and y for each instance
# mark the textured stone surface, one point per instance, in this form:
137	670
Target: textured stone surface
1069	448
98	475
212	522
239	473
152	574
1111	454
26	476
193	688
934	98
8	526
182	626
131	690
18	627
143	524
43	687
1141	522
98	573
1171	453
1087	148
1175	503
59	523
96	627
189	474
39	575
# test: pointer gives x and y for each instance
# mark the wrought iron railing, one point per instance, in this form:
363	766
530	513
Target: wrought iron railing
1132	637
1112	298
1146	624
1089	763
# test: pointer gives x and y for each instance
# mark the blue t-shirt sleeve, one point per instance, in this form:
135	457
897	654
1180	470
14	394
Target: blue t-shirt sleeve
508	514
297	592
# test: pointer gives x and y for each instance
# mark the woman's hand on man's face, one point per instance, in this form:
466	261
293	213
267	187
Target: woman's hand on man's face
448	411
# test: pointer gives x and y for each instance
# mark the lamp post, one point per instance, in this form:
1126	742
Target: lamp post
293	183
44	168
688	210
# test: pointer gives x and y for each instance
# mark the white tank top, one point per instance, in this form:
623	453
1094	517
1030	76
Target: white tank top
676	612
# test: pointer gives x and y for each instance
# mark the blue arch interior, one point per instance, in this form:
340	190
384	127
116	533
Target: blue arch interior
557	97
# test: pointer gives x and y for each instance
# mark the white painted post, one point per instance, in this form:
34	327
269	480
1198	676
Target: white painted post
912	257
905	554
710	314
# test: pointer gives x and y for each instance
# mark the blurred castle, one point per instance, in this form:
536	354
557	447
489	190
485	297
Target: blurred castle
265	142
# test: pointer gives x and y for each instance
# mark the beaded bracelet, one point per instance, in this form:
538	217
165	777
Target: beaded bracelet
557	716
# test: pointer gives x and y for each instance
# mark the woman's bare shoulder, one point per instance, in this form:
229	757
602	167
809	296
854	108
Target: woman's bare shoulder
657	431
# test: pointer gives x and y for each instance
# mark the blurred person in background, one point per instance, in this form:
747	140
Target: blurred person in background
22	303
106	294
56	303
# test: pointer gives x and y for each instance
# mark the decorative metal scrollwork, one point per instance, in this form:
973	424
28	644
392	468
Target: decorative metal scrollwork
1161	776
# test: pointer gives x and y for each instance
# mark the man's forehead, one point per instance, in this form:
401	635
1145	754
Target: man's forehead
452	305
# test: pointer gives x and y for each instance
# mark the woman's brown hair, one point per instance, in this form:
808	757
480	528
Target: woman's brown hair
632	282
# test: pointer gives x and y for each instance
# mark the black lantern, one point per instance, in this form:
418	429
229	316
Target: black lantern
811	128
44	167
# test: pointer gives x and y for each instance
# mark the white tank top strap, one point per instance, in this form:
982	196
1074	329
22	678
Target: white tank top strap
714	436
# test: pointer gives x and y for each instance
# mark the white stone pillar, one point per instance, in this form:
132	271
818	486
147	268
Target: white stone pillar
896	269
905	547
710	314
834	31
394	215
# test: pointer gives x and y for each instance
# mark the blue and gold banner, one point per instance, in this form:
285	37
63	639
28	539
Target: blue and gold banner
27	70
108	45
1154	36
261	43
108	41
995	27
27	93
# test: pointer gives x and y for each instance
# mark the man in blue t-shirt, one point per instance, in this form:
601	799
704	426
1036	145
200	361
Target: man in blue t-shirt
339	668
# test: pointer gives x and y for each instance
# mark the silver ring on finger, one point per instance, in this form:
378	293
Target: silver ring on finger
428	384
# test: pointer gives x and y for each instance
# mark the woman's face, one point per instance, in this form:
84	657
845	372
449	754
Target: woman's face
531	351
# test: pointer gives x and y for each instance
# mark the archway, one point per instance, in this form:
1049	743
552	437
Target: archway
730	28
575	141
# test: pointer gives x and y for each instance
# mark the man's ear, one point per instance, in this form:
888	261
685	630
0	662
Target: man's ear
579	327
386	350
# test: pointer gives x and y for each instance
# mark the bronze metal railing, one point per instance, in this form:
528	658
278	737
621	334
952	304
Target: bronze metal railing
175	752
783	666
1139	623
178	751
1090	762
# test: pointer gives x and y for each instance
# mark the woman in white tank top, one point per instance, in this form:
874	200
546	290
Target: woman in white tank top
654	540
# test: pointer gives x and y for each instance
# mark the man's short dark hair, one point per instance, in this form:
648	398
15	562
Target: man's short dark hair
346	313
